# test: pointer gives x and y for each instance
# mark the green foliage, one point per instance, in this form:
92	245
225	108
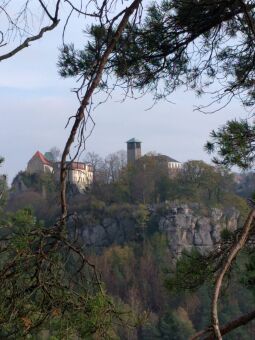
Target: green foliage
135	276
141	215
164	187
248	278
97	206
154	55
133	272
143	177
38	182
147	182
3	191
73	62
3	187
192	271
46	283
234	144
174	325
226	235
201	182
119	211
110	193
196	272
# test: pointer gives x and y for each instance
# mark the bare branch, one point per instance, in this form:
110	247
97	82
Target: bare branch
55	21
46	10
29	40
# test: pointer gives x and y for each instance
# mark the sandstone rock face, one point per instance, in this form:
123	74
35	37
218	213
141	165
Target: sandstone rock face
186	229
109	231
184	226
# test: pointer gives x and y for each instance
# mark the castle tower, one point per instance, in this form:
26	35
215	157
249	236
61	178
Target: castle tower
133	150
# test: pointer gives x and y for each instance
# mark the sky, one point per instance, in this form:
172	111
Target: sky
36	103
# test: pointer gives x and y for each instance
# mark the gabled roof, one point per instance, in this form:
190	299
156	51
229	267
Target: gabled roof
163	158
133	140
44	160
167	158
170	159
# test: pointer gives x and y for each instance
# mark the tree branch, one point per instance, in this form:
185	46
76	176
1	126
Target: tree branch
46	10
227	328
27	41
85	101
249	18
237	246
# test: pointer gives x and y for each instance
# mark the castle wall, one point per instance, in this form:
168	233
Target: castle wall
81	177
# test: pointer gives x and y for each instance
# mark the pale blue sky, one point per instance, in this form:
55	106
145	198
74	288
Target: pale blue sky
35	105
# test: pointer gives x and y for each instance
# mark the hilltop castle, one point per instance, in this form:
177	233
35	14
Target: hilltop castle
78	173
81	174
134	153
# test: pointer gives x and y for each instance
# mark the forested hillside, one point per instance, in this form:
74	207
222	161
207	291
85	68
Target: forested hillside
135	238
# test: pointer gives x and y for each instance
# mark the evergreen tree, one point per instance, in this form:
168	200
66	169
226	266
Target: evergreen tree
189	42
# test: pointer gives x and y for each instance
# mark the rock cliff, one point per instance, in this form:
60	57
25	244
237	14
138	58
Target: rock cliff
185	226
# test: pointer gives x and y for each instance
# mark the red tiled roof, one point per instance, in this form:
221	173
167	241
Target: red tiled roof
42	158
78	166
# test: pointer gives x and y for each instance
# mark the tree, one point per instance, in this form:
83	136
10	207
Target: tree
194	270
27	21
41	286
180	42
143	54
114	164
97	164
107	170
205	183
191	42
53	155
144	179
234	144
22	262
18	24
173	325
156	51
221	37
3	185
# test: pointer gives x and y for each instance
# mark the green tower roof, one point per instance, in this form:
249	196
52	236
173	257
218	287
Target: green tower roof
133	140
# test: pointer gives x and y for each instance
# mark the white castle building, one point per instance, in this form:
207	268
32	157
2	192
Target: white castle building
78	173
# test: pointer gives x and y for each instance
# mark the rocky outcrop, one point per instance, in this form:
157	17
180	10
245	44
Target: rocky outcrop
18	184
184	227
109	231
